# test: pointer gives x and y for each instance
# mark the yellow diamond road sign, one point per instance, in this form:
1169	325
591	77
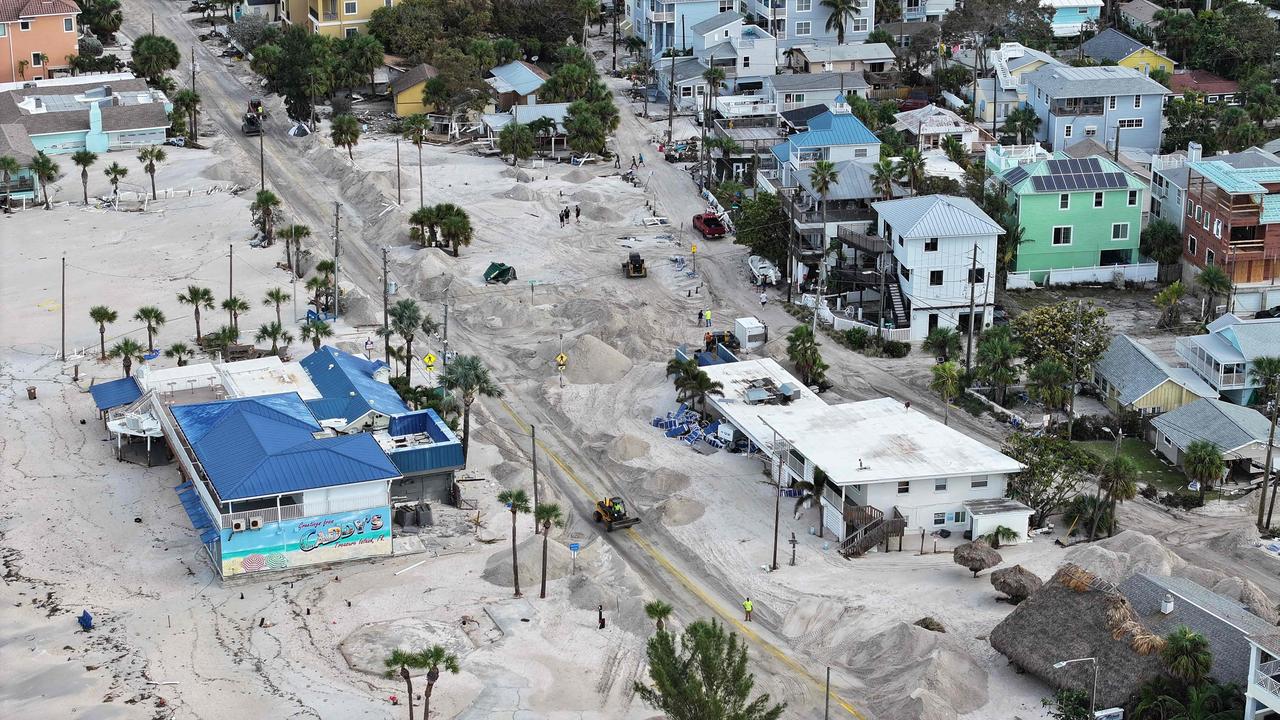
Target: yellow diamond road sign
562	359
429	359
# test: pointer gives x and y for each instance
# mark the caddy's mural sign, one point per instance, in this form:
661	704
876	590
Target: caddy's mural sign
308	541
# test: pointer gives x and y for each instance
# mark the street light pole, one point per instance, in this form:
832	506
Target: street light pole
1093	696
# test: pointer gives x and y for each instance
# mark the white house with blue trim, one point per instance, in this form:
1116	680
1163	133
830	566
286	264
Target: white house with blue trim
97	113
1096	103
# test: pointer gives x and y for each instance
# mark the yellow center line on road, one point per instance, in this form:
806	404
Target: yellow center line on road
657	555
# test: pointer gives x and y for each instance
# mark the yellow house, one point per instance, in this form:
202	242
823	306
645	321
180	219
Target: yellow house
1113	46
407	88
1131	378
336	18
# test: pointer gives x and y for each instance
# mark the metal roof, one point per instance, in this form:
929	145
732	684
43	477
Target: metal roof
830	129
849	52
341	375
930	119
715	22
1227	426
1134	371
1060	81
809	82
1144	11
936	216
114	393
1244	339
1270	209
853	182
1224	622
1111	44
261	446
518	77
1237	180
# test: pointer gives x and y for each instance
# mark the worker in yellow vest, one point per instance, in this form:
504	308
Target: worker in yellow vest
746	609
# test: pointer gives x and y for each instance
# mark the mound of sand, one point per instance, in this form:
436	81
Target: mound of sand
589	196
810	616
578	175
592	361
523	193
627	447
523	177
601	213
1237	542
678	512
368	646
911	672
497	569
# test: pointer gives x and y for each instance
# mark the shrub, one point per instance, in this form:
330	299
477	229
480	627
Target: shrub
896	348
1181	500
929	623
1149	492
856	338
89	47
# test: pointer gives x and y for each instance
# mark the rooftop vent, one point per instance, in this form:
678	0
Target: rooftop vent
1166	605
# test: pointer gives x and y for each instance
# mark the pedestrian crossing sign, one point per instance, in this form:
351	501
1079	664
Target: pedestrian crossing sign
562	360
429	360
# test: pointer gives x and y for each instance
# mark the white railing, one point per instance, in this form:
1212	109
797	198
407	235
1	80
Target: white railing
840	323
662	17
1137	272
1266	683
1269	668
267	515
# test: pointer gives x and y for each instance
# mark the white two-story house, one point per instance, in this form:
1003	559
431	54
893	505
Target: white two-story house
944	259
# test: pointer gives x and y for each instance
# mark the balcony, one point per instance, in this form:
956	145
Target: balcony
660	17
873	244
744	111
1074	107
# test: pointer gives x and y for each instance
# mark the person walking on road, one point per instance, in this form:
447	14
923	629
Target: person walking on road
641	159
746	609
763	299
706	315
617	161
577	214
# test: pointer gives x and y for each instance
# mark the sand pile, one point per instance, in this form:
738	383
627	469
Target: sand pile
589	196
678	512
601	213
627	447
578	175
812	618
559	561
592	361
522	193
911	672
1237	542
367	648
662	481
523	177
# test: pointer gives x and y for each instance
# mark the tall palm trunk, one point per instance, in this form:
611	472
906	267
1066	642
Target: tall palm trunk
466	426
150	335
288	255
515	564
102	341
152	173
432	676
278	320
1266	473
128	366
408	364
408	682
84	181
546	530
197	313
421	190
1097	511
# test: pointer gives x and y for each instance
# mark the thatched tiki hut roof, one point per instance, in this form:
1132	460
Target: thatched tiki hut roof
1076	615
977	556
1017	582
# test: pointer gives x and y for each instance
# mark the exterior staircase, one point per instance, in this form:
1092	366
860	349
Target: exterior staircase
898	305
875	529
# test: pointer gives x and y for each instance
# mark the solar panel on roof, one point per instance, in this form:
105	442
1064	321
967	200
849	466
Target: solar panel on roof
1016	175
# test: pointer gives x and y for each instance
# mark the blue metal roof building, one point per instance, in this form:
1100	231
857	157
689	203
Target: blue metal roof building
113	394
349	386
517	77
442	453
263	446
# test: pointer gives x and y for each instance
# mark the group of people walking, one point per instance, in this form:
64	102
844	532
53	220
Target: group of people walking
566	214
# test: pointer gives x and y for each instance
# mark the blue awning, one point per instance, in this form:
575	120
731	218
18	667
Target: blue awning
196	512
115	393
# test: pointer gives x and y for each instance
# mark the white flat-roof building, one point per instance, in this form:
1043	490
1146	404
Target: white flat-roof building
882	467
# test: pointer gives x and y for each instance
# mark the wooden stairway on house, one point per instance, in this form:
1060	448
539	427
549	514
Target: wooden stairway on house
873	528
898	306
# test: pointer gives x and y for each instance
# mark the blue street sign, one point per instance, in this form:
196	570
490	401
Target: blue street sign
573	547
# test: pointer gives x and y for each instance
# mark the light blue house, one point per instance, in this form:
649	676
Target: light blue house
64	115
675	23
1069	16
1096	103
926	10
14	143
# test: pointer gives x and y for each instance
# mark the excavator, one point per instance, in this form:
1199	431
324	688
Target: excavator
613	513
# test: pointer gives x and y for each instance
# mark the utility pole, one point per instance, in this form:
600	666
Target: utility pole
671	101
533	445
615	35
973	290
63	305
262	155
397	171
705	182
780	452
1273	406
446	328
386	289
231	271
337	215
826	708
195	113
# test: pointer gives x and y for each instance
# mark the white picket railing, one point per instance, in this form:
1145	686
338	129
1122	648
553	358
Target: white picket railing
1136	272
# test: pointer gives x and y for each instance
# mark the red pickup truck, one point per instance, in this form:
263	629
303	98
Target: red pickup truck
709	225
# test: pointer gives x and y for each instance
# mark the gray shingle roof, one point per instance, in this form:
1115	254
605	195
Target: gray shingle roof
715	22
849	52
414	75
1111	44
810	82
1065	81
687	68
936	216
114	117
1225	425
853	182
1143	11
1135	371
1225	623
1253	338
15	143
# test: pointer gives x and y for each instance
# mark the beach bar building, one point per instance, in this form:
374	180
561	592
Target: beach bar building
879	467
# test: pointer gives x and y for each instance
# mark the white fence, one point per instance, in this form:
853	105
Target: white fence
1139	272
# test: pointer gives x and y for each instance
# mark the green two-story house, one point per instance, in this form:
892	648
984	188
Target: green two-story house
1080	218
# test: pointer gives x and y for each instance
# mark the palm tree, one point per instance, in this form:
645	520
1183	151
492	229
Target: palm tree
883	174
1000	534
996	357
1118	481
1048	384
154	318
102	315
1214	281
45	170
235	305
947	382
911	167
128	350
318	286
115	172
633	44
149	156
405	319
1265	374
83	159
682	368
1021	122
517	140
187	102
277	296
542	127
468	376
1186	656
433	659
9	167
802	351
1204	702
942	343
1169	301
293	236
658	611
546	515
178	351
455	228
345	131
415	129
1203	464
263	210
955	150
840	13
316	330
274	332
225	336
517	501
714	77
422	225
198	298
697	388
822	176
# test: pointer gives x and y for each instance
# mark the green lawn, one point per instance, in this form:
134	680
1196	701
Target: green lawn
1151	468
